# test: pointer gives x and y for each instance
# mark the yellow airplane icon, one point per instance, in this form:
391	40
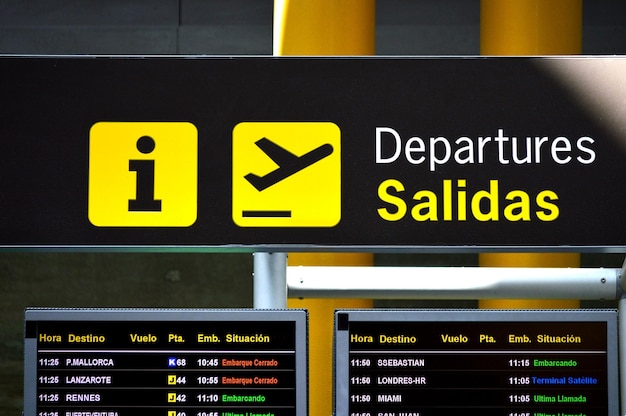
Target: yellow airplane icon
286	174
288	163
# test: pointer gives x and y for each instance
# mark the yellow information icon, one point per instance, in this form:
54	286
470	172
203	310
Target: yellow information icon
143	174
286	174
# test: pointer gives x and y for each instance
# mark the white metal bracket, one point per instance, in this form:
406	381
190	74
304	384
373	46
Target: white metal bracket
274	282
453	283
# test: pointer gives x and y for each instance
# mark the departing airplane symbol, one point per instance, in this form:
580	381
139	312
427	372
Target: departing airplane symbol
288	163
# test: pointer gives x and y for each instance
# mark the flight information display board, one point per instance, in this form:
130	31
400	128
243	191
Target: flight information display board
505	363
169	362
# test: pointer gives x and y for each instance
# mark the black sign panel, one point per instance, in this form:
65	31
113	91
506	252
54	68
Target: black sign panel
494	363
269	153
171	363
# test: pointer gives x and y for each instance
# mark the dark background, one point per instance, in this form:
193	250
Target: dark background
45	141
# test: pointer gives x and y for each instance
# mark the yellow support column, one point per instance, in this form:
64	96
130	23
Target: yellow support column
324	27
530	27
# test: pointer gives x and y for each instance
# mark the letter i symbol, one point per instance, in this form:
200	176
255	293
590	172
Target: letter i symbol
144	194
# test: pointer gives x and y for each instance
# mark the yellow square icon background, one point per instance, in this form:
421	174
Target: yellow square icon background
171	397
311	196
111	184
171	379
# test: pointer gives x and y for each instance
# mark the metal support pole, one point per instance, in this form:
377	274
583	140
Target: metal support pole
622	351
270	276
622	340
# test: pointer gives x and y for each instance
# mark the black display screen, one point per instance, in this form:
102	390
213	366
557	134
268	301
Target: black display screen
425	363
170	363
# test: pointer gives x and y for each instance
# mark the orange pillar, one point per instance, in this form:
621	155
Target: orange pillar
530	27
324	27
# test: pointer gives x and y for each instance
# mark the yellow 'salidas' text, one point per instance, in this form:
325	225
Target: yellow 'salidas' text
453	203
